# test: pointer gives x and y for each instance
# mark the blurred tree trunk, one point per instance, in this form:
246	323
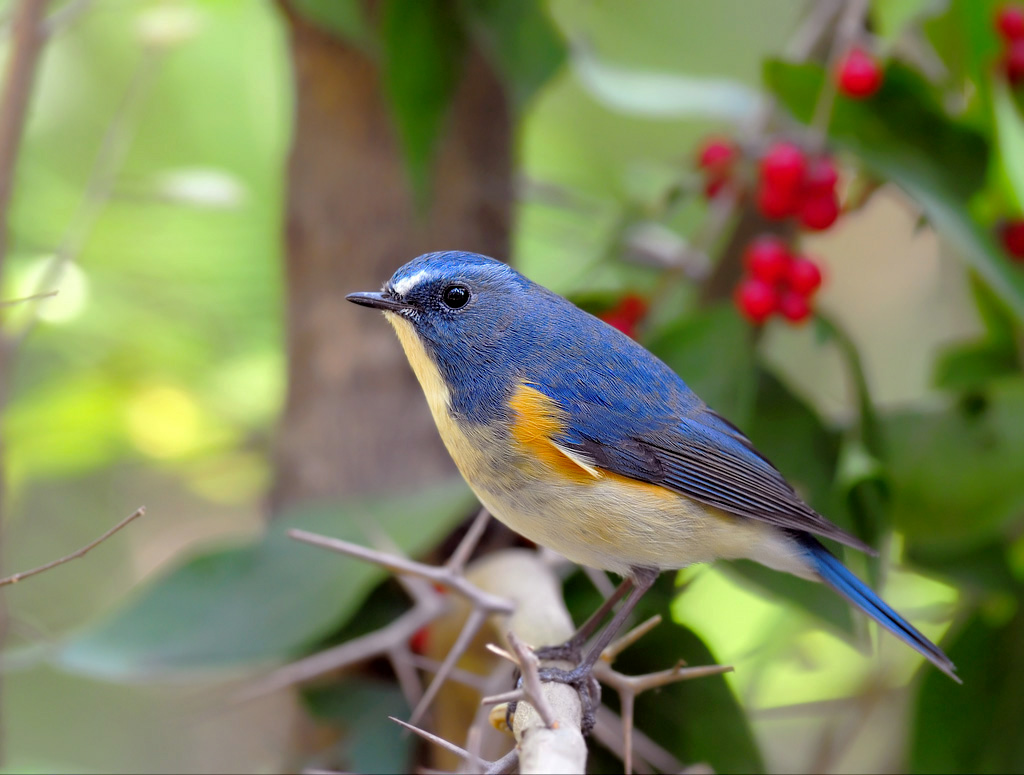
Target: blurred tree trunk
355	419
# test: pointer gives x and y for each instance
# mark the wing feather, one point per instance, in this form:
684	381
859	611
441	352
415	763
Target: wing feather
726	472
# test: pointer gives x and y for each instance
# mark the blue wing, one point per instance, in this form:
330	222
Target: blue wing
632	415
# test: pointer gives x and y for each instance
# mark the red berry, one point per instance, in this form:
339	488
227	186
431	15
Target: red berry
756	299
419	640
633	307
1010	22
777	203
804	276
822	176
1013	62
818	212
794	307
860	75
625	315
767	259
1012	235
716	155
783	167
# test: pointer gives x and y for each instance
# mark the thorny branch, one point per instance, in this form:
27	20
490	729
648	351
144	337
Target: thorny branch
543	702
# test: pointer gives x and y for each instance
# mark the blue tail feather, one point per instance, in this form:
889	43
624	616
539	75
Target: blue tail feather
837	576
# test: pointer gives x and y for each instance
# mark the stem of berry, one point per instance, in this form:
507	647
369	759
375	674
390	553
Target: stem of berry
848	28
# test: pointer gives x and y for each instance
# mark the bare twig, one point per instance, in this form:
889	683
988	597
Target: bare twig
22	300
616	647
849	26
442	575
629	686
464	677
648	755
505	764
449	575
529	667
440	742
428	606
457	562
476	619
113	147
28	38
77	553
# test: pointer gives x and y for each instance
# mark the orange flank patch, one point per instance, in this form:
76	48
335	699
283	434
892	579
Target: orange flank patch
537	421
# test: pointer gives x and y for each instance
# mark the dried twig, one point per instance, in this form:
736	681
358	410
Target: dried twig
629	686
23	299
28	39
505	764
442	575
450	575
77	553
428	605
522	656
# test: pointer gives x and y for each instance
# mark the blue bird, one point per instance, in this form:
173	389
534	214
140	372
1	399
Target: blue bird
578	438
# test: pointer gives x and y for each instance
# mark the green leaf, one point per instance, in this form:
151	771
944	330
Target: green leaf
790	434
713	352
891	17
793	437
956	474
975	727
965	39
903	136
972	366
370	741
262	602
654	94
521	41
423	54
1010	139
972	569
819	601
344	19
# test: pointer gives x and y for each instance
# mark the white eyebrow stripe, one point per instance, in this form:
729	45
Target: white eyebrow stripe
406	284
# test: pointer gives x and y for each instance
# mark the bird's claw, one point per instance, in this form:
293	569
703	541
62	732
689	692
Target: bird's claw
579	678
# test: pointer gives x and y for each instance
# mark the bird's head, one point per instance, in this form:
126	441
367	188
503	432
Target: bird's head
452	299
472	318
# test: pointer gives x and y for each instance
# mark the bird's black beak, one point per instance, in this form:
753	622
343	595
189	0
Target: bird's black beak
376	300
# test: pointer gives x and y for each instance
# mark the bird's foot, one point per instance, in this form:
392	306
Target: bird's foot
581	678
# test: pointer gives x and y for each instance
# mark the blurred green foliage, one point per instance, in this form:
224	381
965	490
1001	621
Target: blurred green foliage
158	372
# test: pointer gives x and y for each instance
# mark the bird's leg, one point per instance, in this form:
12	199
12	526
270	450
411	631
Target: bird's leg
572	649
581	677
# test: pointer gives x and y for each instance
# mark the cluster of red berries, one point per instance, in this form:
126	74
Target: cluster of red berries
859	74
1010	24
789	183
793	185
777	282
626	314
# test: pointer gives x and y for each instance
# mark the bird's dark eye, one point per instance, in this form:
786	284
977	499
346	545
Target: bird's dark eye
455	296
